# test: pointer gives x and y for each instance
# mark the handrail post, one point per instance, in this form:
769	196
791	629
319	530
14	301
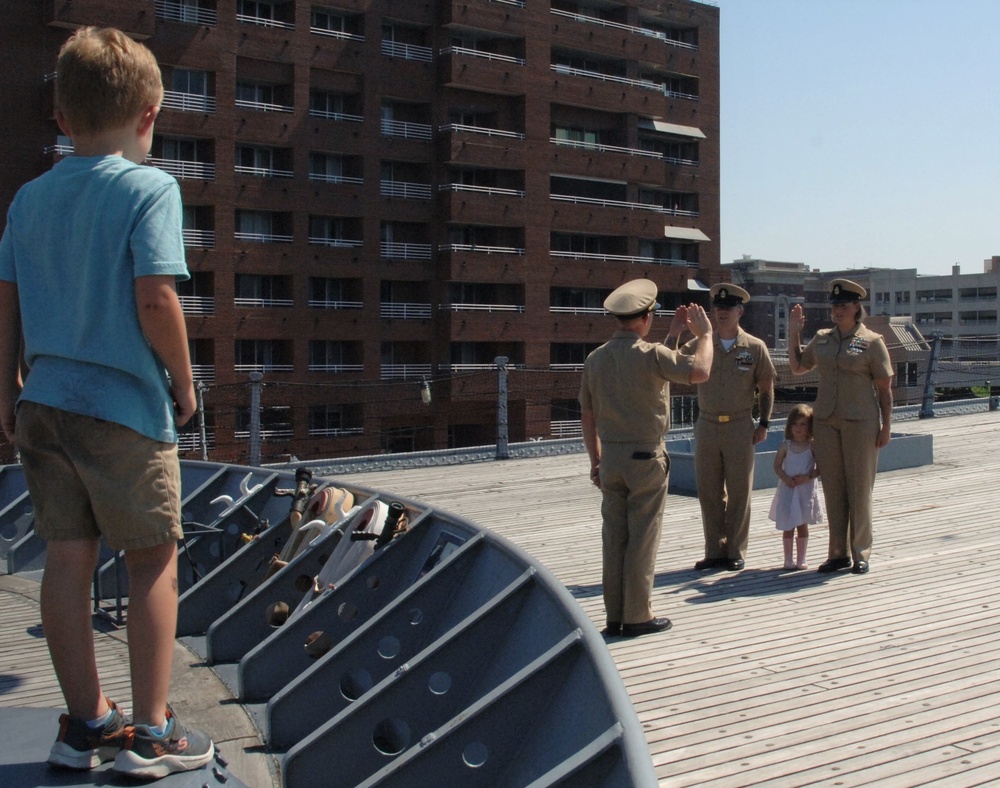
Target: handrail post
927	406
503	452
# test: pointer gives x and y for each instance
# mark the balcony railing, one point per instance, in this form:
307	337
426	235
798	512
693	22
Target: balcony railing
404	371
201	239
482	307
263	302
340	243
191	441
566	429
262	21
474	366
622	258
266	434
577	310
391	250
198	170
402	311
481	249
462	127
184	12
263	106
265	367
411	191
343	179
632	206
264	238
407	51
197	305
520	61
465	187
59	150
203	372
263	172
187	102
324	304
569	367
322	31
643	31
596	146
410	131
335	432
329	115
647	84
336	367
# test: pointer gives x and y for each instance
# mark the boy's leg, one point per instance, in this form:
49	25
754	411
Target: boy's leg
152	626
66	619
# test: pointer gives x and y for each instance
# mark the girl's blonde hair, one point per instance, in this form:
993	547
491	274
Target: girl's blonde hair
798	412
104	79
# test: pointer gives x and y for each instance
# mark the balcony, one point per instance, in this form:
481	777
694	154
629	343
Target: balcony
406	129
639	30
407	51
339	179
394	310
263	172
463	187
263	21
187	102
566	429
196	170
391	250
199	239
264	238
483	308
409	191
263	302
335	432
340	243
329	304
404	371
197	305
263	367
336	367
462	128
203	372
331	115
481	249
263	106
632	206
190	11
622	258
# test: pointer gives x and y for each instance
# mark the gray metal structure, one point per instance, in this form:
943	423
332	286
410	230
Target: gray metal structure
450	657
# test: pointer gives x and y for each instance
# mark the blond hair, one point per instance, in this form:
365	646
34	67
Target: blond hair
104	79
800	411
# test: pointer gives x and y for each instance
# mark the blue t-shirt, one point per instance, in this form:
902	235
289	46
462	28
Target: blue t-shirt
75	240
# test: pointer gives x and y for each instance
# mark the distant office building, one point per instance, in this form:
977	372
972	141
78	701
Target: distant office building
775	287
383	195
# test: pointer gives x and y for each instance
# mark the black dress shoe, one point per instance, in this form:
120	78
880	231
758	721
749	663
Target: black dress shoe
710	563
735	564
860	568
646	627
613	629
834	564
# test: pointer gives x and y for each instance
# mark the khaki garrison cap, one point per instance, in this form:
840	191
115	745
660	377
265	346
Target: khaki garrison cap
844	291
728	294
633	298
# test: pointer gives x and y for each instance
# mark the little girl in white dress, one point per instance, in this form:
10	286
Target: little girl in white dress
797	503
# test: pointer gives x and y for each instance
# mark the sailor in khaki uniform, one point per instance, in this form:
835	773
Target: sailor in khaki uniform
625	407
851	418
725	435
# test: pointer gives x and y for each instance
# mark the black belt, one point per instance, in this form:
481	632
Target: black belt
644	455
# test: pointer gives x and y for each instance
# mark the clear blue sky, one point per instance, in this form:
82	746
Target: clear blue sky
861	132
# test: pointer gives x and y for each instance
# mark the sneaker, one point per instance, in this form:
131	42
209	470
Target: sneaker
151	757
79	746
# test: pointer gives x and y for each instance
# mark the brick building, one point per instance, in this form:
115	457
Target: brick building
381	198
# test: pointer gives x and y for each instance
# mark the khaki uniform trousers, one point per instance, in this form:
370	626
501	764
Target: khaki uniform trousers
847	459
723	463
634	492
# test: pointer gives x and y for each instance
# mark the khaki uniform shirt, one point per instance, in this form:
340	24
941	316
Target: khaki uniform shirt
847	366
626	383
736	375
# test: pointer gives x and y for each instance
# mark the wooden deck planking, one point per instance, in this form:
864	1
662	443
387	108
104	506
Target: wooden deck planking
789	678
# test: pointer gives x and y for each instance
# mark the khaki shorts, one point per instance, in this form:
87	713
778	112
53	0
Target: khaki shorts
90	478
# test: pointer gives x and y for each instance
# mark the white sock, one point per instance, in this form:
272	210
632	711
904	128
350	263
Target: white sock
100	722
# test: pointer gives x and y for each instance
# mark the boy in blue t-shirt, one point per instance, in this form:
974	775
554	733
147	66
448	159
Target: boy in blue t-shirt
88	264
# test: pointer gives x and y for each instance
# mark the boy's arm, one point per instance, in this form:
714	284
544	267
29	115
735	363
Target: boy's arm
10	356
162	321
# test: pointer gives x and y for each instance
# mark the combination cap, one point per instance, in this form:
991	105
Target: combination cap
844	291
633	298
728	294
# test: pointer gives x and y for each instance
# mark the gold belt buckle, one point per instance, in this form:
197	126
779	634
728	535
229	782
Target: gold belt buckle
723	419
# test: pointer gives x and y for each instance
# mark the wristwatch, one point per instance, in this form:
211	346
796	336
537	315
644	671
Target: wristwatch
763	424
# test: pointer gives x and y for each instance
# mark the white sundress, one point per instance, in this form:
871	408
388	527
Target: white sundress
802	505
